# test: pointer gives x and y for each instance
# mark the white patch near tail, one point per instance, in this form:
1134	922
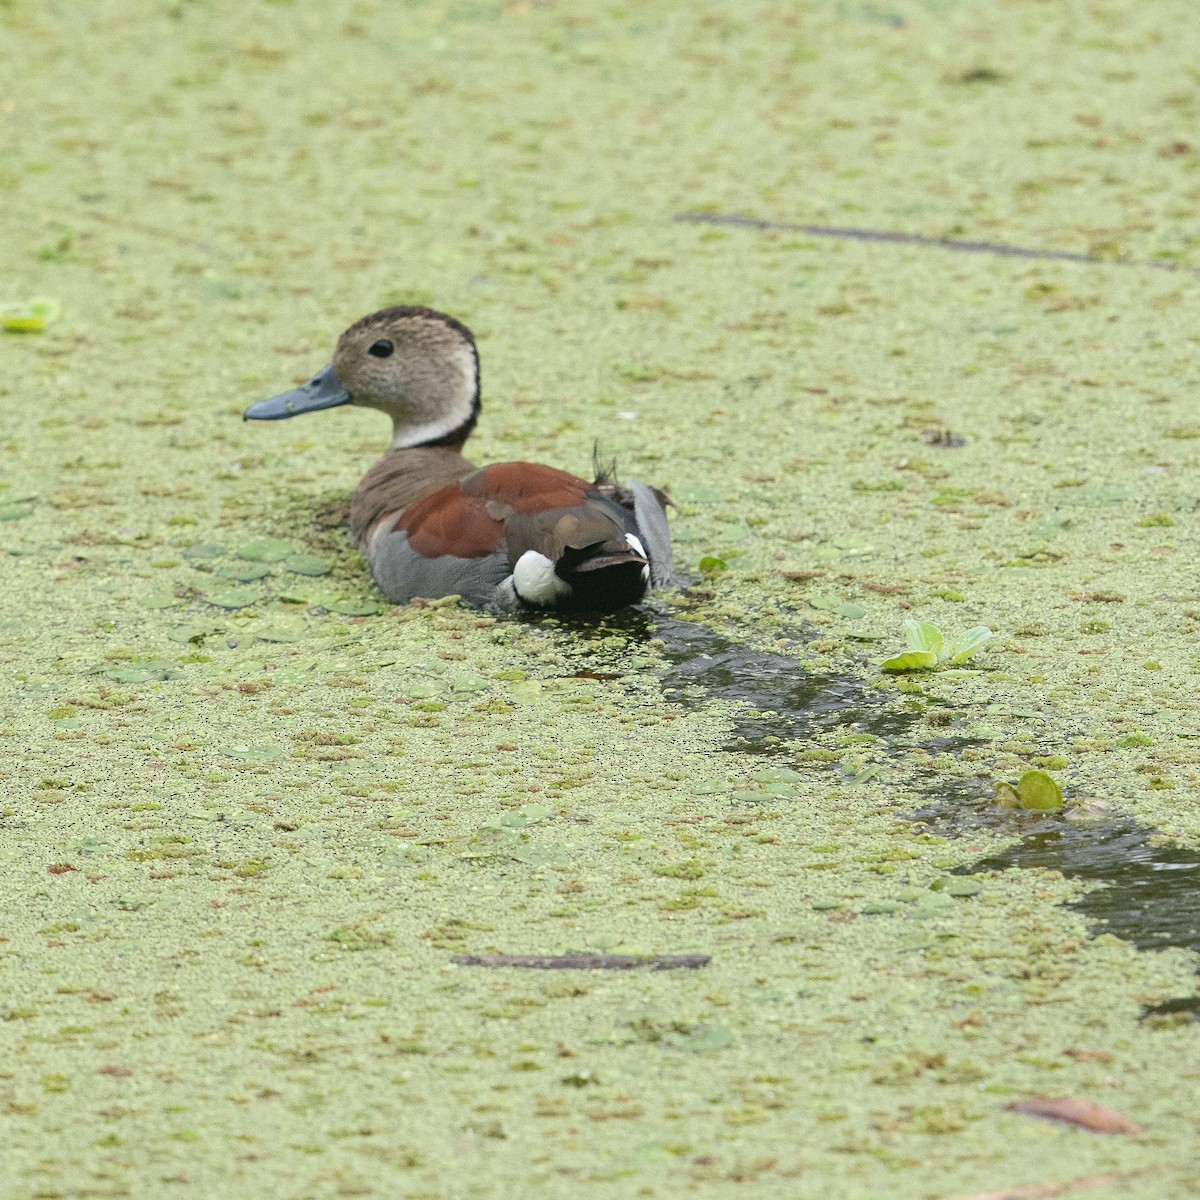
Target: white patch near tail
535	581
635	544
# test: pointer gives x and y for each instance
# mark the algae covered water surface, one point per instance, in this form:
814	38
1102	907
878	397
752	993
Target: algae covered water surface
251	814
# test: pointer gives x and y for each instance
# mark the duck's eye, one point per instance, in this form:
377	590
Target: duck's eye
381	348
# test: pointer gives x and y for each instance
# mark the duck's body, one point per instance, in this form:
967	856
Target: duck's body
432	524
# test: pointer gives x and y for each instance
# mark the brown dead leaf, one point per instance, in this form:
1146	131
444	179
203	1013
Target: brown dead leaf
802	576
885	589
1070	1110
1082	1056
1046	1191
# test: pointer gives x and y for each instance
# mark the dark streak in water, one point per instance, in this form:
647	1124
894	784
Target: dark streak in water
1150	893
774	695
1174	1012
920	239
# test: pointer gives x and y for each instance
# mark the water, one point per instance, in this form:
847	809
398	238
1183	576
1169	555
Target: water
1149	893
773	694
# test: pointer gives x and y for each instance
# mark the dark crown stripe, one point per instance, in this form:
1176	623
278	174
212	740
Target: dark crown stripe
399	311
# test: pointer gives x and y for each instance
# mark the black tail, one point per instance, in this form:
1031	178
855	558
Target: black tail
603	578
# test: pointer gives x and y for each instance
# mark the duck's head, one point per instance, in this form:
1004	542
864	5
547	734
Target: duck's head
415	364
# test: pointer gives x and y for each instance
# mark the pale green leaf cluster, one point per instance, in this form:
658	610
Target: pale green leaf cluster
928	648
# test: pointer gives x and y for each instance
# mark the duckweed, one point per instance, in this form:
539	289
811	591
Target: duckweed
756	371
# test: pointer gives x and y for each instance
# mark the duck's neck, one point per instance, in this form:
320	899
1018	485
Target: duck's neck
400	478
448	433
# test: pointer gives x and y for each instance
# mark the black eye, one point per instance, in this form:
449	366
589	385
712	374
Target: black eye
381	348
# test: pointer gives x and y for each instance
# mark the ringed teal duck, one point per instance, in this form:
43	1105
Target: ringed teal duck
433	524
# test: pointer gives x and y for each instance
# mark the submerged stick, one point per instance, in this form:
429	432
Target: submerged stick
1047	1190
585	962
921	239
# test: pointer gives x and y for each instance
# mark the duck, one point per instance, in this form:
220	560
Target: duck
432	524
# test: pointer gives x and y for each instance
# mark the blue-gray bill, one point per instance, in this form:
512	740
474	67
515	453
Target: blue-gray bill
323	390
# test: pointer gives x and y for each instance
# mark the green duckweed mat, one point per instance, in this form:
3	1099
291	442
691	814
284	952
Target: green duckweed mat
250	813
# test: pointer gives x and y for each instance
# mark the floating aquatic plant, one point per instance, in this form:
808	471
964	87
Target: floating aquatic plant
266	550
31	317
1035	790
840	608
928	648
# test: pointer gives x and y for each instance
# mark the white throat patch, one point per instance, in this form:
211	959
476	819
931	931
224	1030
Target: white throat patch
404	437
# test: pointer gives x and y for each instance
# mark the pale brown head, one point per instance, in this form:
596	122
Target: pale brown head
417	365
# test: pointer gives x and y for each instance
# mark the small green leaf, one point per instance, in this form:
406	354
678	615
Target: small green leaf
190	635
17	323
356	608
252	753
305	564
160	600
540	856
924	637
711	565
965	645
243	572
203	552
1007	796
298	592
280	631
234	598
1039	792
777	777
265	550
527	814
861	775
918	660
468	684
749	797
957	887
32	317
146	672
